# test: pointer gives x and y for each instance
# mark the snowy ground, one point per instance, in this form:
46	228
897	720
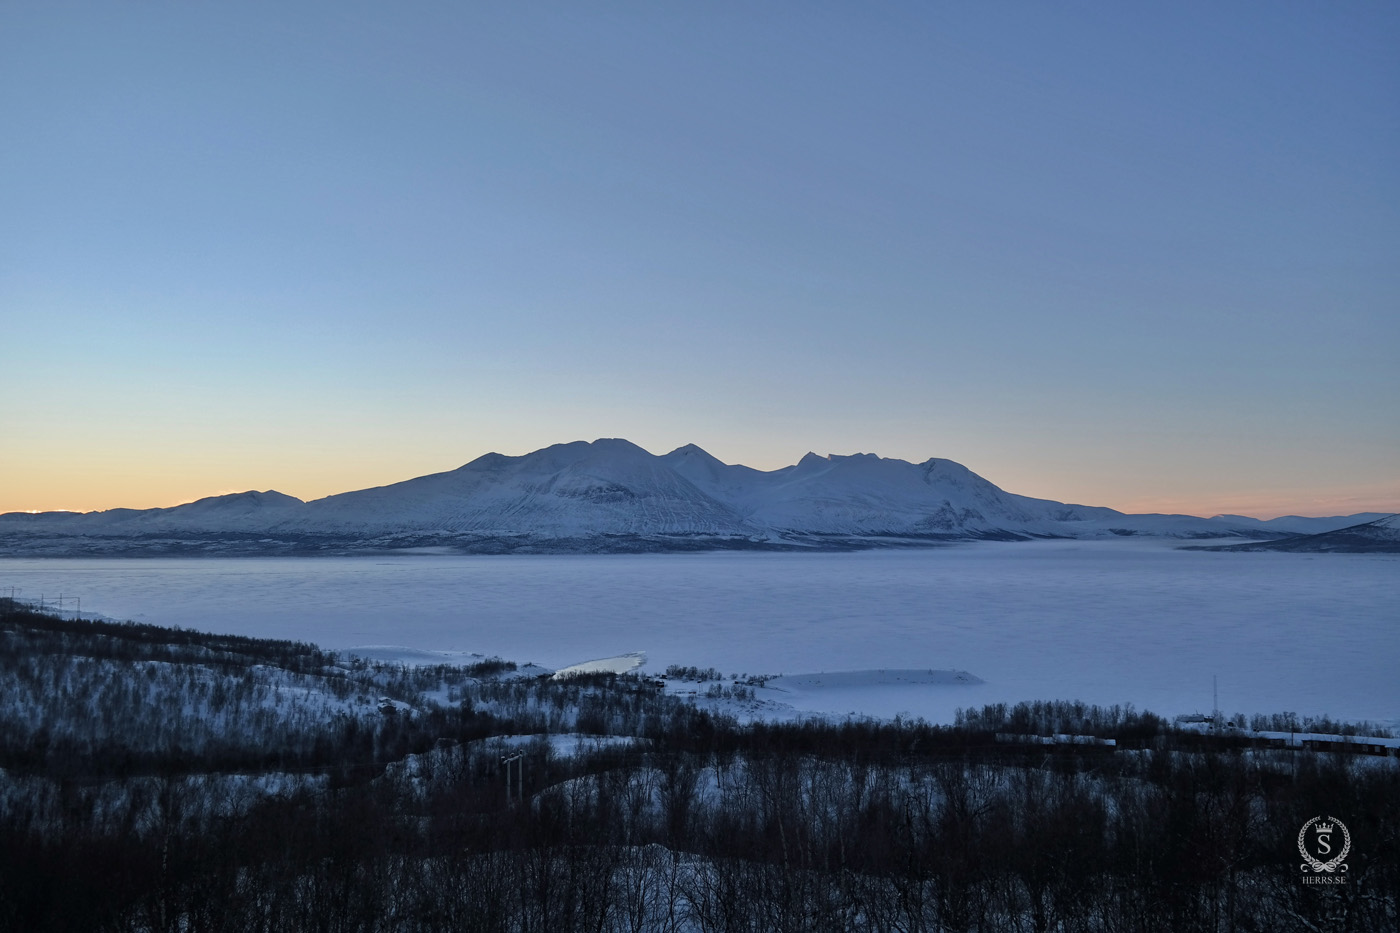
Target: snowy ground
1105	622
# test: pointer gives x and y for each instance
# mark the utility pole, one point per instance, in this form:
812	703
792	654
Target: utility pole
1292	748
518	759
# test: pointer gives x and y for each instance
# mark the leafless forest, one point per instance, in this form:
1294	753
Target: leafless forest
168	780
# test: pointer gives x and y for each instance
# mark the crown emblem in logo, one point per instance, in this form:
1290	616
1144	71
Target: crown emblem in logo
1324	827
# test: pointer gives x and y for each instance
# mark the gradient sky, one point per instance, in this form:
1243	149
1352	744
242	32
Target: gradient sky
1137	255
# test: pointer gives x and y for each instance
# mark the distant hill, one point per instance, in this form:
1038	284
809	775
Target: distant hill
611	495
1381	536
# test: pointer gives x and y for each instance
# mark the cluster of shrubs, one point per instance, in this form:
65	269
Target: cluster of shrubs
692	673
1053	717
490	667
1292	722
732	692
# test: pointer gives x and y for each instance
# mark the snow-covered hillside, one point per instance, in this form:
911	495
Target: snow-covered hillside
864	494
613	495
1380	536
1300	525
607	487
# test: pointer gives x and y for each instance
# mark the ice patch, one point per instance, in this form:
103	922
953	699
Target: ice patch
884	692
411	657
849	680
564	744
621	664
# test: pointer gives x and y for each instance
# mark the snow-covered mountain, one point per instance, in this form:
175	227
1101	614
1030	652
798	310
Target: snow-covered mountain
241	511
613	495
1380	536
1300	525
608	487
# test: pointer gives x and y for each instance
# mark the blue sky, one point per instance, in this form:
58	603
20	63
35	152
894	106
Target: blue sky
1145	257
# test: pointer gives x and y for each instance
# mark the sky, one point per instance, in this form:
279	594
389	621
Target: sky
1144	256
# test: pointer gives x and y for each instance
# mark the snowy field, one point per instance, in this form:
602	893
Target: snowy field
1132	621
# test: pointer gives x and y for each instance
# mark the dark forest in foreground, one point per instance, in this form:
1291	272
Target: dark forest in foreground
162	780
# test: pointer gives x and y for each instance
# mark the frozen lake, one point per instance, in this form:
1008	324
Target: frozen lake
1105	622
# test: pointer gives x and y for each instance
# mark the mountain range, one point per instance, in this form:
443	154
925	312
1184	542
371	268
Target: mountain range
1379	536
611	495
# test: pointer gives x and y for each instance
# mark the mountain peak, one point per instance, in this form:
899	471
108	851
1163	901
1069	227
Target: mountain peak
692	453
615	443
251	498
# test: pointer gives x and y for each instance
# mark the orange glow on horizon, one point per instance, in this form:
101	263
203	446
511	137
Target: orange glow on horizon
85	486
1262	507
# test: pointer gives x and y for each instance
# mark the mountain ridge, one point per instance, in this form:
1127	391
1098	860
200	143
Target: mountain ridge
612	495
1381	536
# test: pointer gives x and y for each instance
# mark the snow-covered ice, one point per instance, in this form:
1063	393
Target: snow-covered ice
562	744
414	657
621	664
883	693
861	680
1106	622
